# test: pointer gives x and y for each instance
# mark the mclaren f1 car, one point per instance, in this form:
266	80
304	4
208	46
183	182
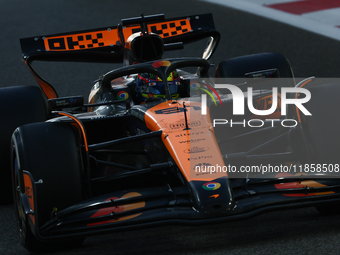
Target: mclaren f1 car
157	143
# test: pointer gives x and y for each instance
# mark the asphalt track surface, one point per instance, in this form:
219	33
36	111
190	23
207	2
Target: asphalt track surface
302	231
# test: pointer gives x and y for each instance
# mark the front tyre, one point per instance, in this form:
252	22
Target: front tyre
322	134
19	106
49	156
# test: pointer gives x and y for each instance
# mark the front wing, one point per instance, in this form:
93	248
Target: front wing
141	208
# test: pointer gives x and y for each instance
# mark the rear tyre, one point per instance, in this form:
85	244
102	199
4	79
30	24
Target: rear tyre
324	147
20	105
239	66
252	67
261	72
322	128
51	153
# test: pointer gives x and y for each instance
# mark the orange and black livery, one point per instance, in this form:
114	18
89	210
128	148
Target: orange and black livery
145	149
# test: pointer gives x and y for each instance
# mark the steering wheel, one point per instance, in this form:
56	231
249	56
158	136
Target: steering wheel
161	68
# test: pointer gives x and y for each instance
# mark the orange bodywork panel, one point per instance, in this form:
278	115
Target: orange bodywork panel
179	141
45	86
29	192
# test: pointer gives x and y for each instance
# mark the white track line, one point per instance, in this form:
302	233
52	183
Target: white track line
287	18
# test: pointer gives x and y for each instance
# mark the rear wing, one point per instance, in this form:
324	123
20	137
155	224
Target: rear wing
106	45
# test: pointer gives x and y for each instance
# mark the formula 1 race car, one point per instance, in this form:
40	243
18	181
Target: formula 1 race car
158	144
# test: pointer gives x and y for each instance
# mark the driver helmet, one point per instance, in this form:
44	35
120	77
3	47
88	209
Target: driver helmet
151	86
